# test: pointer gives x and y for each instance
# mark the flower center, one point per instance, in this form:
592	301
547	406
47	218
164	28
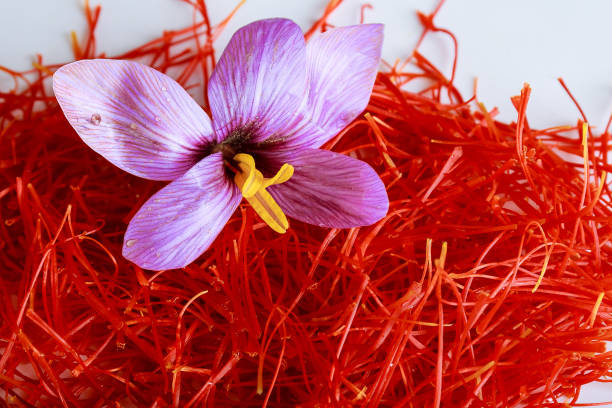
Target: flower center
253	186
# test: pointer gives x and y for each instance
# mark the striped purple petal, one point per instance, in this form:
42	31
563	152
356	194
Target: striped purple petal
136	117
260	81
180	221
342	67
330	190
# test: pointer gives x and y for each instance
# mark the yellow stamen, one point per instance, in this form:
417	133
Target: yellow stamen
284	174
253	186
249	179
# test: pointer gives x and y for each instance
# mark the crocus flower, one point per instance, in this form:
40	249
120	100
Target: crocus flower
274	100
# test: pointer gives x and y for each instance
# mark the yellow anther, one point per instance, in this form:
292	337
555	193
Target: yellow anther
249	179
284	174
253	186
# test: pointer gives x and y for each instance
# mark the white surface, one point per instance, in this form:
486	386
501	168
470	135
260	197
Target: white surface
504	43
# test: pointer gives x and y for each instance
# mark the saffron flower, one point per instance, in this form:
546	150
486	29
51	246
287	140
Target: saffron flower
274	100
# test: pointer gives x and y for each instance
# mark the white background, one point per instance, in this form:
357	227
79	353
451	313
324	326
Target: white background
504	43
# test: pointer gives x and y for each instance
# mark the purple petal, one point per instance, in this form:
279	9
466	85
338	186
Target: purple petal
260	81
332	190
136	117
342	67
180	221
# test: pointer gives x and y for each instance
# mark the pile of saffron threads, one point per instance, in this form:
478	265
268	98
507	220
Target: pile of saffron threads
489	283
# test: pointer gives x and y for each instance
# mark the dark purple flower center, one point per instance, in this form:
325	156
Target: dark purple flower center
238	140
